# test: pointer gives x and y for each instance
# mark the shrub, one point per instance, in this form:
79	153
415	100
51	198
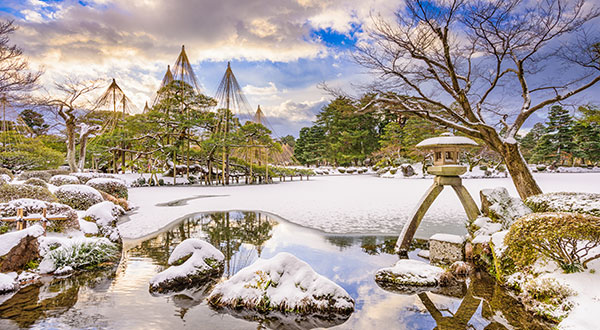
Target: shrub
6	172
83	254
113	187
32	206
77	196
566	238
587	203
10	192
341	169
393	171
541	168
36	182
483	167
60	180
501	168
30	155
44	175
84	177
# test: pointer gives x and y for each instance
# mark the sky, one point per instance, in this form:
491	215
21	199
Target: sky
280	50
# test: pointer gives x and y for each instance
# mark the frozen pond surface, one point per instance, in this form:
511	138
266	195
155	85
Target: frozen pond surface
109	300
352	204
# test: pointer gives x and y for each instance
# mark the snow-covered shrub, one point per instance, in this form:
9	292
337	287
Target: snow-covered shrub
33	206
78	254
341	169
36	182
587	203
483	167
193	262
283	283
565	238
393	170
540	168
84	177
110	186
61	180
105	215
77	196
44	175
9	192
547	297
7	172
351	170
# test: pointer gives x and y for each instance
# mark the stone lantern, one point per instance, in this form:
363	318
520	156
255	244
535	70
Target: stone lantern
446	168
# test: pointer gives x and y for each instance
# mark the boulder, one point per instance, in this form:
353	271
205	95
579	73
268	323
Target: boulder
19	248
498	205
407	170
8	283
194	262
282	283
408	272
446	248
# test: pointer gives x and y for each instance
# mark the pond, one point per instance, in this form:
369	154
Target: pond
119	298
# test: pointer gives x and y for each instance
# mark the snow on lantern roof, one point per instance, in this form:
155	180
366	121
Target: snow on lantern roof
446	140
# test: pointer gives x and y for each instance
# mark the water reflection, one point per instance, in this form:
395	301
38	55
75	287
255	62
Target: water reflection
123	301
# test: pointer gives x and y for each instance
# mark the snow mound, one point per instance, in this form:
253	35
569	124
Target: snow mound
283	283
112	186
501	207
8	282
77	253
86	176
408	272
587	203
10	240
449	238
201	262
486	226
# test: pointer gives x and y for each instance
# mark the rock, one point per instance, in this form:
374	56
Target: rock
282	283
408	272
105	215
486	226
21	253
498	205
407	170
446	248
423	254
460	268
193	262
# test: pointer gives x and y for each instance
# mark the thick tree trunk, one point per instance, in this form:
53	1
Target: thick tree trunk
517	167
70	126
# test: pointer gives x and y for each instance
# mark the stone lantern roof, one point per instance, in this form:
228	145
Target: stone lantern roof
446	140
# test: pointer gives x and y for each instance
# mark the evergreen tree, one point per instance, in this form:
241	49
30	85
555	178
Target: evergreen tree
530	140
556	145
35	121
587	135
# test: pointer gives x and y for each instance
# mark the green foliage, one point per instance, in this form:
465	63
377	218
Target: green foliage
35	121
565	238
585	203
84	254
42	175
77	199
9	192
30	154
113	187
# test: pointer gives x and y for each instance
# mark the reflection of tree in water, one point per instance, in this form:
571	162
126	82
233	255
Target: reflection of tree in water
51	299
372	245
496	301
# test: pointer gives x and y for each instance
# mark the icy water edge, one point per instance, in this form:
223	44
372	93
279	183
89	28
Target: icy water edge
119	299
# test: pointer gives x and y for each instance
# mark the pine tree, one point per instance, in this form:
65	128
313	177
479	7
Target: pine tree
530	140
556	145
587	135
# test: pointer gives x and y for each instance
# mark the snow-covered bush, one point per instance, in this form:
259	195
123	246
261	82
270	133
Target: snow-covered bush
193	262
61	180
341	169
351	170
33	206
105	215
44	175
283	283
77	196
84	177
7	172
9	192
36	182
587	203
565	238
547	297
110	186
78	254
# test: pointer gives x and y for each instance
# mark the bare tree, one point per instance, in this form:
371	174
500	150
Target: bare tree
483	67
15	75
70	104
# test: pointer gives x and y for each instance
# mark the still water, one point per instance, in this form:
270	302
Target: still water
119	298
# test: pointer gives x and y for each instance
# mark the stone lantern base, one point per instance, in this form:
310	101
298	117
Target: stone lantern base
409	229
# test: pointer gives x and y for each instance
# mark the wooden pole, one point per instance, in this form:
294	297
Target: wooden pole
20	221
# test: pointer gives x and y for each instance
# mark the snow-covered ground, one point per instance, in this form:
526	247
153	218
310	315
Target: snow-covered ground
351	204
